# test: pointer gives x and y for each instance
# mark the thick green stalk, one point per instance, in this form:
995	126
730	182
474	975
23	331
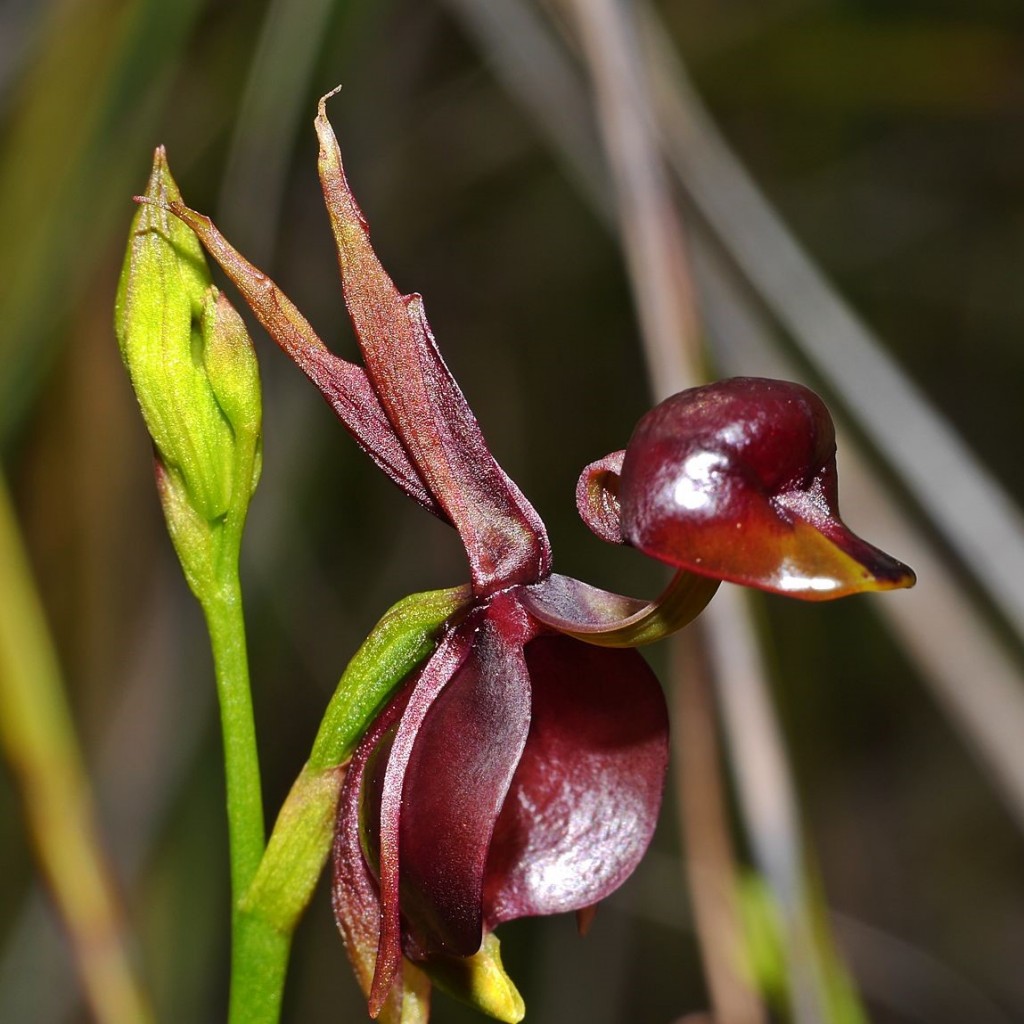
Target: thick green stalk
194	371
38	737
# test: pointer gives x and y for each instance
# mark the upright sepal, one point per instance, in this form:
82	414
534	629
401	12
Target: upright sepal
504	537
344	385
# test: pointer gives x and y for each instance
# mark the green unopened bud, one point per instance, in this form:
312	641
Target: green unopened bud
194	371
233	373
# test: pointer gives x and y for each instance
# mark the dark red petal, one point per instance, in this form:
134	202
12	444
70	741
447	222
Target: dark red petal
736	480
434	676
503	535
465	755
586	795
354	895
344	385
597	497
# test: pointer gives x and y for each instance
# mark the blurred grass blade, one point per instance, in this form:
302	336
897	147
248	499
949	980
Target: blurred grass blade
158	727
38	738
533	66
712	870
267	122
649	226
909	981
767	796
670	332
91	91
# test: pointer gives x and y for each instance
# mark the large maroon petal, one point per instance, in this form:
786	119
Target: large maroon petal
585	797
434	676
354	894
462	764
504	537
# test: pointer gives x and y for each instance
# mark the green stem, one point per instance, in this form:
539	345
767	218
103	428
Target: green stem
38	737
275	900
256	953
259	964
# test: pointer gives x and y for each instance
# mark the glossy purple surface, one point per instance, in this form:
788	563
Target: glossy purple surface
737	480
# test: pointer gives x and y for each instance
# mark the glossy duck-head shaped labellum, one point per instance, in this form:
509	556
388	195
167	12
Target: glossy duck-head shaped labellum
737	480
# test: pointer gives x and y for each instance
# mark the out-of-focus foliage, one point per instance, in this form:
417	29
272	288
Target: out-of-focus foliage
889	136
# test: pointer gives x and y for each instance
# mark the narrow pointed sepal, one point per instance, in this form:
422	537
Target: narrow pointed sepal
505	540
344	385
404	997
383	795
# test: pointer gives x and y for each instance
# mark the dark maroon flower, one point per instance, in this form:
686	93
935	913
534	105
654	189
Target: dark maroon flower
520	771
737	481
525	782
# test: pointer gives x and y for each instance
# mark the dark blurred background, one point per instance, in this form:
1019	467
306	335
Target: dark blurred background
890	135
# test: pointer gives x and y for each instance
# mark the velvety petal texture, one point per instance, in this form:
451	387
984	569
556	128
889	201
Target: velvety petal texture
521	775
737	480
462	764
504	537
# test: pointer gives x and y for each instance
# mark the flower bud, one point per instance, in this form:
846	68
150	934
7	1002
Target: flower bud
194	372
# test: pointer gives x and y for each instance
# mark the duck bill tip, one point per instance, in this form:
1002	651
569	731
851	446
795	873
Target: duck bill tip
833	562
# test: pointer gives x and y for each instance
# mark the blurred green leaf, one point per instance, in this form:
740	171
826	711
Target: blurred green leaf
90	96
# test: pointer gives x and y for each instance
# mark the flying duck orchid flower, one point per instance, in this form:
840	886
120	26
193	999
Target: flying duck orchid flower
519	771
